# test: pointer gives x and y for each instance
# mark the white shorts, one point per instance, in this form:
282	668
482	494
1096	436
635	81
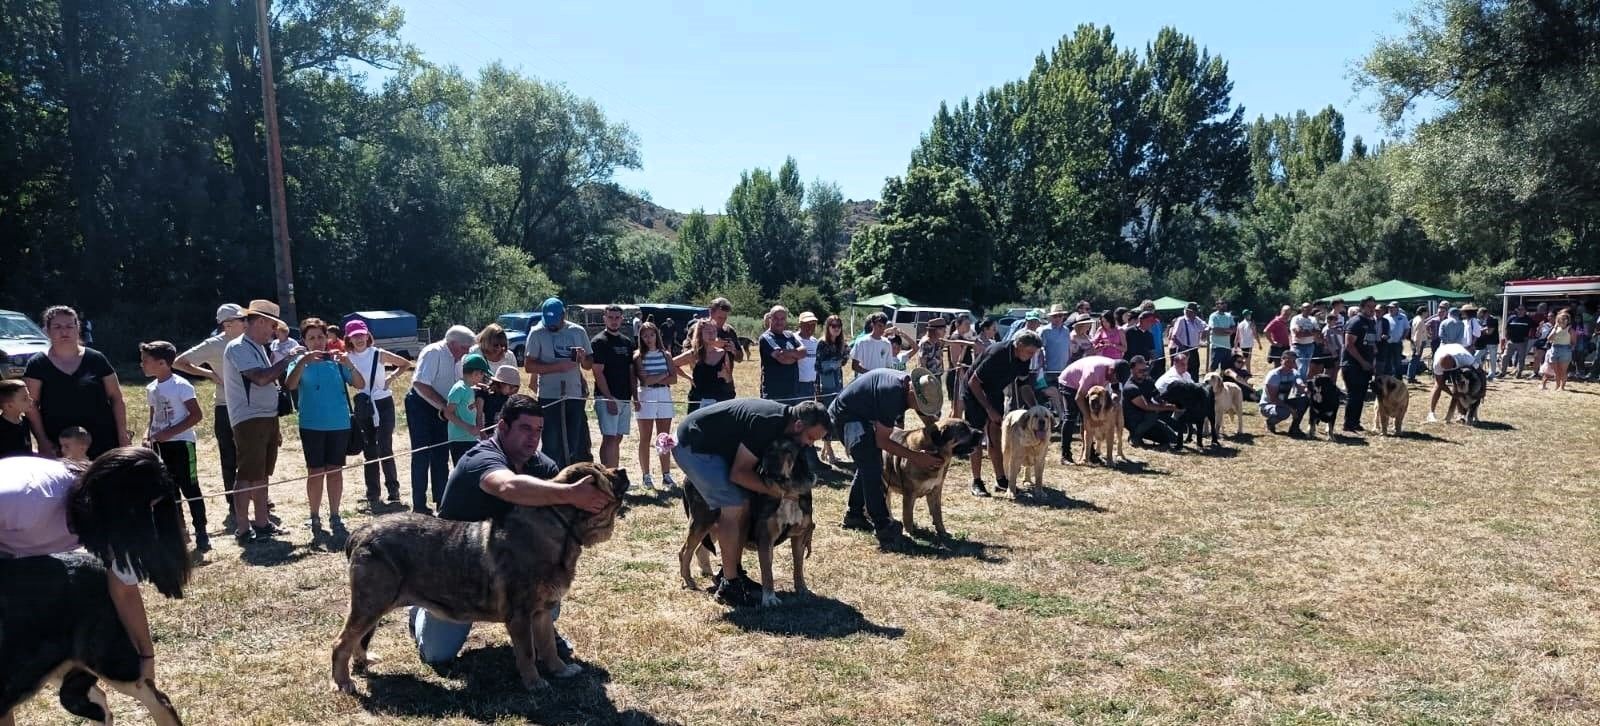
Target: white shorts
655	403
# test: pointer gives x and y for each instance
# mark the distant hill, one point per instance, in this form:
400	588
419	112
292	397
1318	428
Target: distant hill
643	214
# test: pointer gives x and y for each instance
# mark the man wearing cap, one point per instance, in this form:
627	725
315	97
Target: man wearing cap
866	413
250	383
807	383
612	365
557	352
1057	337
1220	327
1399	331
425	404
1004	365
1187	331
204	360
781	354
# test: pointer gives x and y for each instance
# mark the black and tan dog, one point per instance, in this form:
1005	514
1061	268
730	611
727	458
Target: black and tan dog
1102	426
949	439
1393	400
772	520
512	570
1325	400
1467	387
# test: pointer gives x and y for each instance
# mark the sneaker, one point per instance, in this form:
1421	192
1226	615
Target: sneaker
668	483
889	536
314	523
394	495
336	523
857	522
202	542
245	537
269	531
978	489
649	482
1001	484
422	510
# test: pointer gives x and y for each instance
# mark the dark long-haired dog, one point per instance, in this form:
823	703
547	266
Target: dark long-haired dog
949	439
512	570
57	620
772	520
1467	387
1325	400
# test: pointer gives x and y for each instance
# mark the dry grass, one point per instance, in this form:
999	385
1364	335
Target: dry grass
1445	577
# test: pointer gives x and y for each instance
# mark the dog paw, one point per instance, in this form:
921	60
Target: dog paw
567	671
346	687
941	533
800	590
770	599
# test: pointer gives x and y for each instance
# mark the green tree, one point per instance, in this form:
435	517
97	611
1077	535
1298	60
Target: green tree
707	255
1348	234
933	244
766	220
824	227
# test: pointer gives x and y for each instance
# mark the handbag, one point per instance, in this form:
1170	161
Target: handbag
363	409
357	443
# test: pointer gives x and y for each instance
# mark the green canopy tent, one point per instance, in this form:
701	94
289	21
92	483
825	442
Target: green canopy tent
1168	304
876	303
1397	291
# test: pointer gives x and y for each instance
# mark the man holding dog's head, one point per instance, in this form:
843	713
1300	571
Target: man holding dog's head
718	449
1075	383
1003	365
1283	395
496	474
866	413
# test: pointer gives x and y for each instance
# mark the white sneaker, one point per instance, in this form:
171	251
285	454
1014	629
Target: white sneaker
667	483
649	483
1432	418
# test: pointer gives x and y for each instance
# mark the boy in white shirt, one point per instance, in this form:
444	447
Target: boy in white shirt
174	412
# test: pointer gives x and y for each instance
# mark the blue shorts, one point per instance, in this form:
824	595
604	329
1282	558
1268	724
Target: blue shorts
1560	354
708	474
614	425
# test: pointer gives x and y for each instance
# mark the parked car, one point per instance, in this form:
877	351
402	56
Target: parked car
19	340
517	326
913	320
393	330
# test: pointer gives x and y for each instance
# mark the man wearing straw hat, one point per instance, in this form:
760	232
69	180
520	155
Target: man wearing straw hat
250	383
865	414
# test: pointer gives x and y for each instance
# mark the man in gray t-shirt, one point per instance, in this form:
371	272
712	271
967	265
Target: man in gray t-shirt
250	383
558	353
204	360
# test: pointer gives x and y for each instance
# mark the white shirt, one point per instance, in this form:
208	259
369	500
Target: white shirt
808	364
1474	329
1464	358
168	402
376	388
872	353
1171	375
1304	328
1246	331
437	368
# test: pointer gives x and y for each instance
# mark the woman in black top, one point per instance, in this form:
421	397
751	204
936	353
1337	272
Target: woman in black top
74	386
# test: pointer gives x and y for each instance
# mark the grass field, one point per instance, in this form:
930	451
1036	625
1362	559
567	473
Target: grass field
1443	577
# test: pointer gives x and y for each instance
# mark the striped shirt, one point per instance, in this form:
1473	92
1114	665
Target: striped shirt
654	363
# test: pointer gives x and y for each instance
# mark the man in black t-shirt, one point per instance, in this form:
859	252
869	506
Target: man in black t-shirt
498	473
612	363
718	449
1144	414
781	353
1002	365
1360	354
866	413
1518	328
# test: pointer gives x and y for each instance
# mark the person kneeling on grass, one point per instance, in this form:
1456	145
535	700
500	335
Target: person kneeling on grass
866	414
1143	412
718	448
502	471
1283	395
1447	359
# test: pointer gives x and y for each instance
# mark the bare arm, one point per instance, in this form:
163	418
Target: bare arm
269	374
47	449
130	610
975	387
184	365
119	408
531	491
744	474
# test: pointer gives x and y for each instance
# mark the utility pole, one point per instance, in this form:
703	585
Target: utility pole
280	213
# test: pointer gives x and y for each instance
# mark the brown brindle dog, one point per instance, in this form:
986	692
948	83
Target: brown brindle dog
1102	426
1393	400
771	520
510	570
949	439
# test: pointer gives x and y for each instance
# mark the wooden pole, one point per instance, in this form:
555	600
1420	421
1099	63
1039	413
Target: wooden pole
280	213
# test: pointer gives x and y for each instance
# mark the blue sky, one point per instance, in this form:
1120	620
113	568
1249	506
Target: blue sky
713	88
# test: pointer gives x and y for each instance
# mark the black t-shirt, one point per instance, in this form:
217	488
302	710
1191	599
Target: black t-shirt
1491	333
999	368
615	352
1135	389
78	399
1517	327
779	381
464	498
878	395
1139	342
722	428
1366	332
15	438
492	403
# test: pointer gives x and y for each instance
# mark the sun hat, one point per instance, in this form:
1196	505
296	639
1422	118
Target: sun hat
265	309
1393	304
474	362
552	311
229	311
1193	306
356	327
808	317
928	391
938	323
1057	309
1080	319
507	375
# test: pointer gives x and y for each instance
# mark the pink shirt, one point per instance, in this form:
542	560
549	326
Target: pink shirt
1088	372
1110	342
33	507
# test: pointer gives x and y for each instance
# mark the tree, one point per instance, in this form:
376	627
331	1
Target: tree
766	220
824	227
933	244
1348	234
707	255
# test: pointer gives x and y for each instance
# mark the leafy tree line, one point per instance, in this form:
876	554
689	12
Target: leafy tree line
1107	168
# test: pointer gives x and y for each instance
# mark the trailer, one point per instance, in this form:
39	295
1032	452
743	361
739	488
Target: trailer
394	330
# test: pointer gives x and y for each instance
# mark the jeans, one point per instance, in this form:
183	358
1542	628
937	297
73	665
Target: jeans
226	451
1517	352
432	465
1284	410
566	430
1069	419
1356	381
1487	359
439	640
866	488
1303	353
1221	358
380	444
1152	427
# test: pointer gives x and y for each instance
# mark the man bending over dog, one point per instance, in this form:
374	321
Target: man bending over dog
1074	384
718	448
866	412
1003	365
498	473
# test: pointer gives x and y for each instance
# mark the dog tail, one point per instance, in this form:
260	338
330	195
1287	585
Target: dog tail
706	541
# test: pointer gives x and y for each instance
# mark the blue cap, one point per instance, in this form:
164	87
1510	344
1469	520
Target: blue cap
553	310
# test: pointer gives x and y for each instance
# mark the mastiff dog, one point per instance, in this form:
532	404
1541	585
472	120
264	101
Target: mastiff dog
772	520
1025	436
1467	387
1325	400
512	569
1393	400
1102	426
949	439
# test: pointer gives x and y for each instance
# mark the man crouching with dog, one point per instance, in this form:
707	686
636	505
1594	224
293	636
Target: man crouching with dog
866	413
719	447
496	474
